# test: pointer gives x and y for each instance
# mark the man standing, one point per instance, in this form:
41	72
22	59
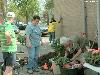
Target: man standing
51	29
8	43
33	38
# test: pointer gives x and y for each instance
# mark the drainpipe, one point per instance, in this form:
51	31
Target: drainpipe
85	17
98	21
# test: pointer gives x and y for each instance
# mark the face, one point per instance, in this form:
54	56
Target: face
36	21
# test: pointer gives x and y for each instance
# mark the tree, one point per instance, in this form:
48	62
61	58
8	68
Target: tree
24	8
49	9
2	7
49	4
12	7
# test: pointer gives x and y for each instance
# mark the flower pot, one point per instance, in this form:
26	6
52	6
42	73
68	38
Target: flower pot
67	66
96	65
55	69
65	71
90	72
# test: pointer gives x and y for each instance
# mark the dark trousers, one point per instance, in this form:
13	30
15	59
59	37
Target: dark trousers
51	36
9	59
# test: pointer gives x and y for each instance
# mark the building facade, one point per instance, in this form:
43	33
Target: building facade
78	16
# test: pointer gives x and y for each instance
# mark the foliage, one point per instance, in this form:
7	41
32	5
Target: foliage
49	4
93	57
2	8
24	8
12	7
61	60
21	39
57	46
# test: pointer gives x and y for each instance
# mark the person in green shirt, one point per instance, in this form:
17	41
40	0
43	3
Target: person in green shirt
8	43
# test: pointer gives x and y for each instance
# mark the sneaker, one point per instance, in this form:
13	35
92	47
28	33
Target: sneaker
30	71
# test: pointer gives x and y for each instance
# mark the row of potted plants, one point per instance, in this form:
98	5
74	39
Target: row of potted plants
62	60
93	57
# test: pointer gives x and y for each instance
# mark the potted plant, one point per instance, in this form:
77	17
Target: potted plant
66	66
58	48
21	39
61	59
93	57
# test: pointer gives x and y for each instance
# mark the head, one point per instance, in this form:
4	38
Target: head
53	20
35	19
10	16
1	18
65	41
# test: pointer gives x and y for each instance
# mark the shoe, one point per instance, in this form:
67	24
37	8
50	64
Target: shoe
30	71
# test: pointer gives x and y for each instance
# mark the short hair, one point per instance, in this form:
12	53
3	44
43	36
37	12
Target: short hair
36	17
63	40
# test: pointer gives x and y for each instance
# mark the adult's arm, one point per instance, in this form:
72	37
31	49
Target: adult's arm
8	38
27	36
77	54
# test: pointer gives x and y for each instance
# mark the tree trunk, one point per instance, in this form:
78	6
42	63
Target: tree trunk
26	17
2	7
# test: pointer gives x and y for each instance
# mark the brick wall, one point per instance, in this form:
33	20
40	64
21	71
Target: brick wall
91	19
73	17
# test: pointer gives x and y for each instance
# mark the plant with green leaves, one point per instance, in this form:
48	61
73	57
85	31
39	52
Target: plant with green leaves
21	39
93	57
61	59
49	4
24	8
59	48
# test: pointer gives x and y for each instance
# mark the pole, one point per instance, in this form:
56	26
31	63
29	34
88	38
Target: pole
98	21
85	17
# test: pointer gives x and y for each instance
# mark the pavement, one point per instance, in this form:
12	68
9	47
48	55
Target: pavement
44	49
41	72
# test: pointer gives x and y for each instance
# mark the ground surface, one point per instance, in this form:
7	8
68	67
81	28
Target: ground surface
46	48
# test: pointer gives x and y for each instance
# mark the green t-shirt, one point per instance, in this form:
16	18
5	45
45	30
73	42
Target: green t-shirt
12	47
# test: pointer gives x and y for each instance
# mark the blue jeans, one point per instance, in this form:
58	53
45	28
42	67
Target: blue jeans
51	36
33	58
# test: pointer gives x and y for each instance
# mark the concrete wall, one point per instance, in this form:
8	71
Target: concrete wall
72	12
